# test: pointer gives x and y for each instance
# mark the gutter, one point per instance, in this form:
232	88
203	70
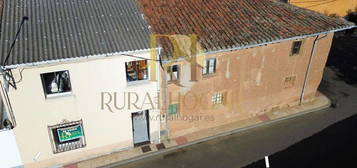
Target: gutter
165	61
66	60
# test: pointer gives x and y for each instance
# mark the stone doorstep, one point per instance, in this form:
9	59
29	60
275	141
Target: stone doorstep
320	102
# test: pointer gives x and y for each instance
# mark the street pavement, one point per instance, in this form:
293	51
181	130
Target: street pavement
243	148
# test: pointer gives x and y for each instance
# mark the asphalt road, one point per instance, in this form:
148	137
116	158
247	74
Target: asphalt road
244	148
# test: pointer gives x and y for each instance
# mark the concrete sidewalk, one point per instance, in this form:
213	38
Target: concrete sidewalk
134	154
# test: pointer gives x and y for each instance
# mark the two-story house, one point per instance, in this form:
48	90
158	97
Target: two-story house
64	77
239	59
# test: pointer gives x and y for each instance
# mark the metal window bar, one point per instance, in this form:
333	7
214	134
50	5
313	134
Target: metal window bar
72	145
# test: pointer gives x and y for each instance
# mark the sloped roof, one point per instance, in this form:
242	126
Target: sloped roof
222	24
60	29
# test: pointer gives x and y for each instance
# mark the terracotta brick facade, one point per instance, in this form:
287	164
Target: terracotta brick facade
252	81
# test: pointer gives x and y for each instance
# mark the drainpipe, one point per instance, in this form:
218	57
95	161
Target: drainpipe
164	95
165	104
308	68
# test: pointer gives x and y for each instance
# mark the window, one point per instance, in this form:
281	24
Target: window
296	47
217	98
67	136
173	73
56	83
136	70
209	66
289	82
173	109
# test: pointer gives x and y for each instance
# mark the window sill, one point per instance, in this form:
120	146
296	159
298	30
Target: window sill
173	81
292	55
208	75
217	106
55	95
139	82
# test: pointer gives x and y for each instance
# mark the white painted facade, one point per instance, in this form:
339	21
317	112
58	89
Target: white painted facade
105	131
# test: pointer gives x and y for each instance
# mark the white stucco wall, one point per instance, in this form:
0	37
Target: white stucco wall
105	131
9	155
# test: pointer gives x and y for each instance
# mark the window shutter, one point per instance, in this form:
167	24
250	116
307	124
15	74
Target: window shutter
172	109
168	73
204	69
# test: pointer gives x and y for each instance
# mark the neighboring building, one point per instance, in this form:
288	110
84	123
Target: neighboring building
327	7
257	55
58	84
67	54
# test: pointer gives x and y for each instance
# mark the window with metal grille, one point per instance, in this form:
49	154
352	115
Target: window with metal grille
209	66
296	47
56	83
67	136
217	98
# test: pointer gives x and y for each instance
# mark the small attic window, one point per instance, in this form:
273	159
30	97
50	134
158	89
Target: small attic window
295	50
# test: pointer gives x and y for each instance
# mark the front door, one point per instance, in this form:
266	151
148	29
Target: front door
140	128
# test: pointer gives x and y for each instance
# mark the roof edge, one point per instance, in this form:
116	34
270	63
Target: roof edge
57	61
266	43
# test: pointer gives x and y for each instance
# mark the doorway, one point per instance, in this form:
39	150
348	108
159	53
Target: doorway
141	133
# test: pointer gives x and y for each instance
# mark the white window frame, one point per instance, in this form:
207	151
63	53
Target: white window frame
209	66
171	75
47	95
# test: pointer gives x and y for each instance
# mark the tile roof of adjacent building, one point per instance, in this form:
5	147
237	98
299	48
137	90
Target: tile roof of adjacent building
222	24
61	29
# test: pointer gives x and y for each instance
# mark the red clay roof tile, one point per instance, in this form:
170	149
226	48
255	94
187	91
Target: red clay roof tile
222	24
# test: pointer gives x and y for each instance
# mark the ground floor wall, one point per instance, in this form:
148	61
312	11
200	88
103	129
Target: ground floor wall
251	81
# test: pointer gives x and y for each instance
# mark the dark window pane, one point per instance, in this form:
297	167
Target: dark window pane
174	68
296	47
56	82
